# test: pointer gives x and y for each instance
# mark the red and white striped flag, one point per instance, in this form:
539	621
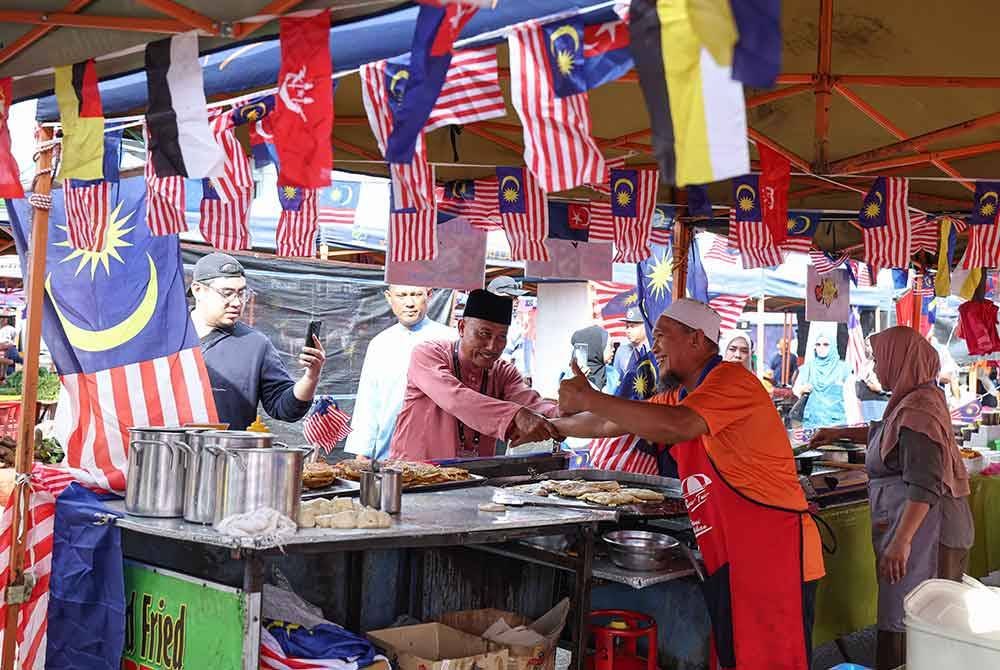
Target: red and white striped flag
825	262
604	188
471	90
474	200
856	357
602	226
87	212
923	233
326	424
164	200
754	241
602	293
885	223
558	147
524	214
633	201
623	455
864	274
983	249
412	235
297	223
96	410
225	202
720	251
730	308
273	657
413	183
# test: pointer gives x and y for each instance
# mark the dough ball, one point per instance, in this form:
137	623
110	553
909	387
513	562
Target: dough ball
307	519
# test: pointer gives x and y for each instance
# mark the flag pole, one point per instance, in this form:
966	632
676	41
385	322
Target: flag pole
681	248
25	452
918	301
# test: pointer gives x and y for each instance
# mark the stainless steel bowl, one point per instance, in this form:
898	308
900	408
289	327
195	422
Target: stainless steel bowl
640	550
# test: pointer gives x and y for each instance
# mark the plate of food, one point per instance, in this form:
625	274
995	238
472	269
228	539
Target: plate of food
417	477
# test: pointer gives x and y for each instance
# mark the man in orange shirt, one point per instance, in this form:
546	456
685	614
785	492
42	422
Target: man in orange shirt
747	508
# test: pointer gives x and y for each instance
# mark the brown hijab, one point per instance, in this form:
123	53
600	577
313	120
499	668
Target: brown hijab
908	366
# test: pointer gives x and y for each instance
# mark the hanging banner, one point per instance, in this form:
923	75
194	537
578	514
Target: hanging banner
573	260
828	296
460	261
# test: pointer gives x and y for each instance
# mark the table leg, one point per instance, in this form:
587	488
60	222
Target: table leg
581	595
355	567
253	584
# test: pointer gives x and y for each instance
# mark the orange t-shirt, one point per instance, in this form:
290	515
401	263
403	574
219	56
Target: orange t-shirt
749	446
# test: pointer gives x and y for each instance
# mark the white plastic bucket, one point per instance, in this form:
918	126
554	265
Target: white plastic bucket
952	625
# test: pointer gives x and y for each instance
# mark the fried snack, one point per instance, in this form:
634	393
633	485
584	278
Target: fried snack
317	475
610	499
577	489
971	453
412	474
644	495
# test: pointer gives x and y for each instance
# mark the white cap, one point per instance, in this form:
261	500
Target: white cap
506	286
696	315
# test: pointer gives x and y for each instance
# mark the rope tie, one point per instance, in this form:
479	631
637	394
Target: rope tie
39	201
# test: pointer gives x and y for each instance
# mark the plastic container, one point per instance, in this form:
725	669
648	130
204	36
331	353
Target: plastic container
952	625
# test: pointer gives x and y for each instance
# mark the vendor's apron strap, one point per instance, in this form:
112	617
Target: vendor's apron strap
461	426
821	523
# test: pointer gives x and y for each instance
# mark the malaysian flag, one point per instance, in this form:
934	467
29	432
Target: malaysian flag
663	225
825	262
856	357
524	213
720	250
87	207
287	646
626	453
923	233
164	200
326	424
967	413
296	233
337	204
471	91
604	188
381	91
225	201
983	250
633	202
862	274
800	231
472	199
610	301
558	147
885	223
753	239
730	308
413	231
602	227
120	337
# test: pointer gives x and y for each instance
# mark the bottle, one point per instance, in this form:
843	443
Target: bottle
258	426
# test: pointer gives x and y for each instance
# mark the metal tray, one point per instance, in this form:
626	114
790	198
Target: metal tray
350	488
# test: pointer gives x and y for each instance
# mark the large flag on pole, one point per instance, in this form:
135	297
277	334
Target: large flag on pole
116	323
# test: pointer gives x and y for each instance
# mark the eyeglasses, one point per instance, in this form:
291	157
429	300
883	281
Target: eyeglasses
228	294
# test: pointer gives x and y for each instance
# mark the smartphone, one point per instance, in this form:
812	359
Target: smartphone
315	328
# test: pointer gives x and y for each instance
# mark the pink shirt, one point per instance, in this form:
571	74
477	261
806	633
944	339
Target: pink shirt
434	402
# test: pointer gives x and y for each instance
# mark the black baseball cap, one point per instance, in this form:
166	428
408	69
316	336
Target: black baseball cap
216	265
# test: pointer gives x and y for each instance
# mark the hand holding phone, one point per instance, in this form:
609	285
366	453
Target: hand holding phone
314	330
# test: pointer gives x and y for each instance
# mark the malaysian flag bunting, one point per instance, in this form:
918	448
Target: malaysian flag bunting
923	233
861	274
413	182
610	301
720	250
413	230
297	223
524	213
885	223
602	227
825	262
87	208
604	188
800	229
967	413
626	453
144	370
10	175
633	202
256	115
326	424
549	94
82	120
164	200
225	200
753	239
856	357
471	91
337	204
472	199
663	224
983	250
730	308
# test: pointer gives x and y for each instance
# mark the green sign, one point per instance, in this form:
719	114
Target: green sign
176	622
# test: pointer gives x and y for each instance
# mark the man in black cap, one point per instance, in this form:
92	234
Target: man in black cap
243	365
635	333
460	397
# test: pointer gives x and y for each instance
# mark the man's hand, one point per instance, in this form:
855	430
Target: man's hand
312	359
575	392
824	436
529	426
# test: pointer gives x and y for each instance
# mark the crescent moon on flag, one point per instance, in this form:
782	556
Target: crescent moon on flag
988	195
262	132
798	225
341	195
396	78
627	182
739	190
517	184
565	30
881	198
117	335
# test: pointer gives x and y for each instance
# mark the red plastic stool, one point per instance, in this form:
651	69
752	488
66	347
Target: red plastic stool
616	643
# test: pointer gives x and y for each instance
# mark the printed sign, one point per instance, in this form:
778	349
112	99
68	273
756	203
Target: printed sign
460	262
828	296
175	622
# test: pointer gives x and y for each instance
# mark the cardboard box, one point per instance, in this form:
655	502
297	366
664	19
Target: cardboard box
433	646
540	655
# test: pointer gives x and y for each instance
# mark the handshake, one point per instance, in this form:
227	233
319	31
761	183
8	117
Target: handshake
574	395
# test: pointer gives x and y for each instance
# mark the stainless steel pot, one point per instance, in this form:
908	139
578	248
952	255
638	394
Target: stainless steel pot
256	478
204	474
640	550
157	466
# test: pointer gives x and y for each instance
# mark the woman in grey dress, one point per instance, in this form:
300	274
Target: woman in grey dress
918	487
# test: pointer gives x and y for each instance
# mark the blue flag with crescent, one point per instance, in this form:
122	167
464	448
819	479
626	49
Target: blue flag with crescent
873	209
121	304
803	224
584	58
510	190
986	205
746	199
339	195
624	184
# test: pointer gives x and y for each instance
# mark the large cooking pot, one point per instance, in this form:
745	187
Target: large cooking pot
157	466
205	470
256	478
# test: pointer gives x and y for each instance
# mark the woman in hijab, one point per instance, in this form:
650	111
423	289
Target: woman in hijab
918	487
736	347
596	339
823	378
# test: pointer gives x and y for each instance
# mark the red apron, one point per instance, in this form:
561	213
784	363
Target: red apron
753	556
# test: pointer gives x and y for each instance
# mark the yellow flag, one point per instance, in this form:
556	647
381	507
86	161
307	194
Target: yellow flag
715	27
82	122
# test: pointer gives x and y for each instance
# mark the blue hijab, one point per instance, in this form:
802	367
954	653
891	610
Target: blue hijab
827	375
